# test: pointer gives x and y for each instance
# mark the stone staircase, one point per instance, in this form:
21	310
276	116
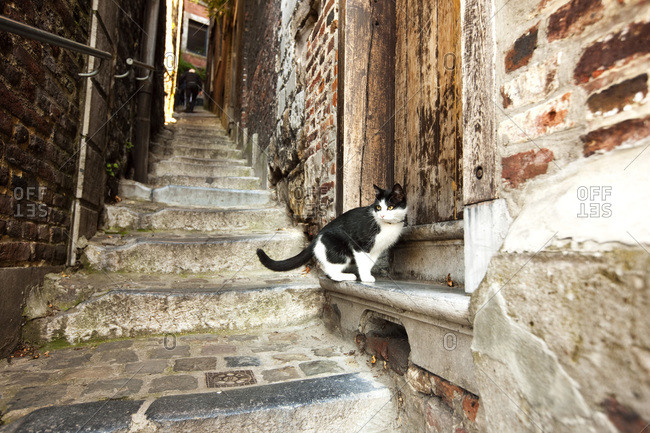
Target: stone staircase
176	261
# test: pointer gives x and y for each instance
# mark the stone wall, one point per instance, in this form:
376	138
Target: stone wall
556	342
259	78
302	152
40	129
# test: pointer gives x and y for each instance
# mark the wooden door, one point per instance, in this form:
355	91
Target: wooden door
428	109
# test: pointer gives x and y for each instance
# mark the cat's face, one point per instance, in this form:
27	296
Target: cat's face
390	205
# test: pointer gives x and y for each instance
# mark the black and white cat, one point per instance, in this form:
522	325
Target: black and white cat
359	236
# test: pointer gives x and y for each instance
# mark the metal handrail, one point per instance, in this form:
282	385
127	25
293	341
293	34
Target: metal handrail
9	25
37	34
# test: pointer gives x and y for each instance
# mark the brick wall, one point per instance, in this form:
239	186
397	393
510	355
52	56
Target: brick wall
40	115
573	82
38	133
259	77
319	153
302	151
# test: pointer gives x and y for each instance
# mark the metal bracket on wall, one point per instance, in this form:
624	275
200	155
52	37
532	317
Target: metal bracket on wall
92	73
15	27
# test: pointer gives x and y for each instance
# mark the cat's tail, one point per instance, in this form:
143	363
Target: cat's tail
288	264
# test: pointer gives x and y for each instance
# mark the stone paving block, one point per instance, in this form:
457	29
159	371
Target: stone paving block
195	364
87	373
242	337
164	353
290	337
218	349
114	388
114	345
60	361
280	374
242	361
289	357
173	383
99	416
24	379
326	352
118	356
37	396
211	338
319	367
152	366
270	348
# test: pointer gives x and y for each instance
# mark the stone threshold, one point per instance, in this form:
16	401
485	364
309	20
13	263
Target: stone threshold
435	318
432	300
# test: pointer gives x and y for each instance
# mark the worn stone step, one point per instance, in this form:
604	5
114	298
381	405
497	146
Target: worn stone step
218	151
351	402
228	182
189	253
194	195
342	403
206	141
137	310
138	216
199	167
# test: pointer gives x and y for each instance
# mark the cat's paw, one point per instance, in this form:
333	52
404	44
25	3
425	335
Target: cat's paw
343	277
368	279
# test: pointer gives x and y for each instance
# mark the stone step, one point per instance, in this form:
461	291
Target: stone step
206	141
194	195
200	167
348	403
344	403
196	152
189	252
227	182
137	309
154	216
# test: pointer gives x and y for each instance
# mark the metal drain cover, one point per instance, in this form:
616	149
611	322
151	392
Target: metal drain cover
232	378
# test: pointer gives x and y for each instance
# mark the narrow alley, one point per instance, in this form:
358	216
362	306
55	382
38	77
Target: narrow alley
150	148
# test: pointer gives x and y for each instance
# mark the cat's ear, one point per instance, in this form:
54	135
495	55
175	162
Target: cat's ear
398	192
378	190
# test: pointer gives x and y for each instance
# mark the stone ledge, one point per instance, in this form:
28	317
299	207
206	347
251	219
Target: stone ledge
432	300
445	230
435	318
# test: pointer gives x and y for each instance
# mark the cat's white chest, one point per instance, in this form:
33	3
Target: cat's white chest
388	235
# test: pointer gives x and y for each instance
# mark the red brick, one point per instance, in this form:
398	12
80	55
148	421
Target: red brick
603	55
605	139
6	125
619	95
573	18
624	418
520	167
446	390
470	406
14	252
521	52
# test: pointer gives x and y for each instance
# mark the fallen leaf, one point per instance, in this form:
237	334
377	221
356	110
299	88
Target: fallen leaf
449	282
373	360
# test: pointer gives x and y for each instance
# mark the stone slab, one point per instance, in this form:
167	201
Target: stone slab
101	416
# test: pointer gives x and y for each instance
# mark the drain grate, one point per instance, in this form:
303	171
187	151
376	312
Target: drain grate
225	379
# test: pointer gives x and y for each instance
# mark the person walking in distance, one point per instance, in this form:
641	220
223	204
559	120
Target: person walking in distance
192	86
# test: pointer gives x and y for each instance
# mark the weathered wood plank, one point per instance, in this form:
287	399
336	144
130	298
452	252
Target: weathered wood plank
378	153
357	45
414	185
449	107
400	92
368	103
480	176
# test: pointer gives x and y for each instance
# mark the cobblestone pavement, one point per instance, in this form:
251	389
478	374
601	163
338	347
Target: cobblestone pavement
156	366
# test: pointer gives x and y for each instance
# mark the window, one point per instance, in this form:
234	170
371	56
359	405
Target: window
197	37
